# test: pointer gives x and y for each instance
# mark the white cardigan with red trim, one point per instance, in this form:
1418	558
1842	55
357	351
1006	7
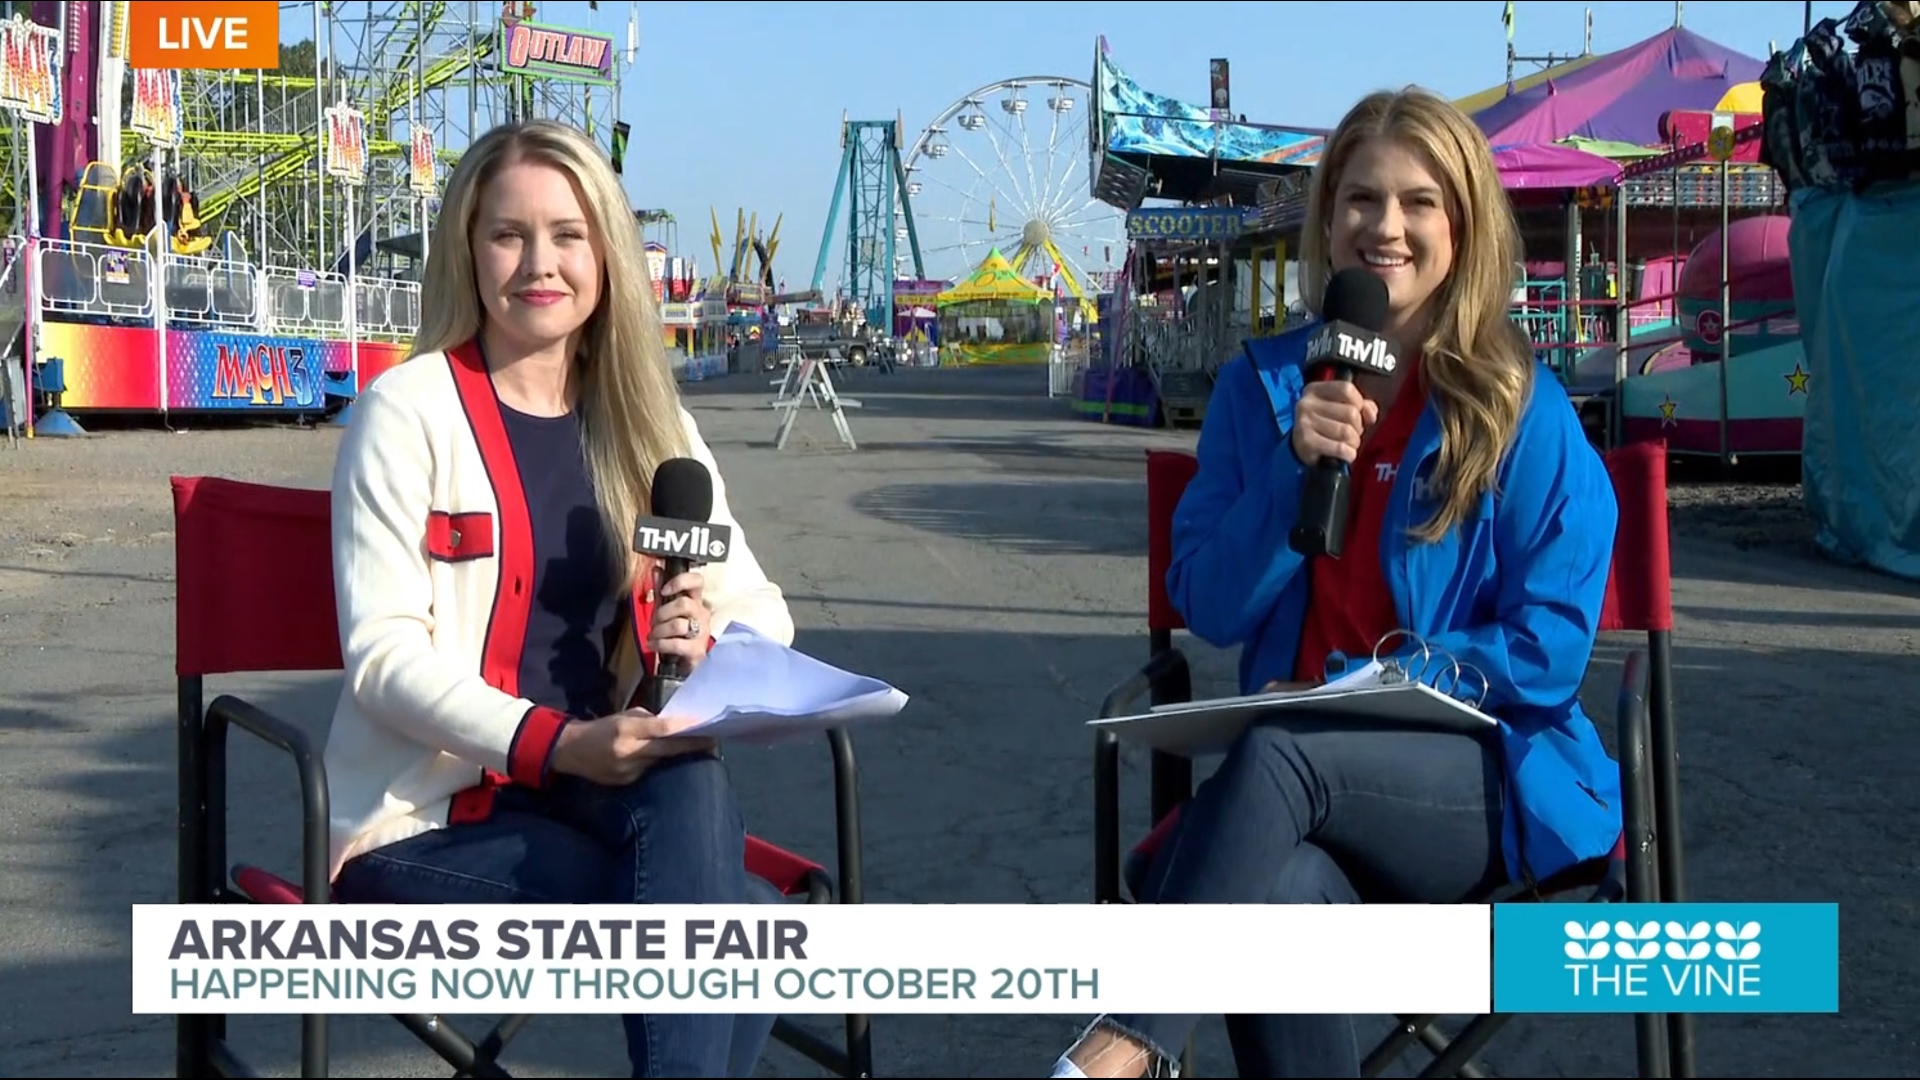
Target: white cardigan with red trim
433	575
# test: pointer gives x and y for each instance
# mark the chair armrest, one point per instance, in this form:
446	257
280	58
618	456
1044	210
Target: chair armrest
846	816
819	887
1164	669
1634	736
229	711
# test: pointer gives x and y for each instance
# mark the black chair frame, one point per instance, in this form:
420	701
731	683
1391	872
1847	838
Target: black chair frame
1652	871
201	1047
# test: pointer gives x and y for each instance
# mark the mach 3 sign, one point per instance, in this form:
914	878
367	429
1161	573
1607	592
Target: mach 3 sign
264	372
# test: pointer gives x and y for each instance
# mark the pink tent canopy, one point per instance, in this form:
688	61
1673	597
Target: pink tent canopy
1621	96
1550	166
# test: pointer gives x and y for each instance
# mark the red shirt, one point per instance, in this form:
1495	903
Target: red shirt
1349	608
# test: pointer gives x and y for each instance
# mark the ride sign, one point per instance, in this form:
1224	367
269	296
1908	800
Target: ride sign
1198	223
346	145
556	52
420	161
155	112
31	72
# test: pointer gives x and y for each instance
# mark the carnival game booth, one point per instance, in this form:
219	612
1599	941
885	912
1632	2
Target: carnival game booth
1196	286
1187	177
696	333
1855	227
914	303
994	316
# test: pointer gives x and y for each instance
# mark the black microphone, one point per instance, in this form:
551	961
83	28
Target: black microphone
1349	341
679	534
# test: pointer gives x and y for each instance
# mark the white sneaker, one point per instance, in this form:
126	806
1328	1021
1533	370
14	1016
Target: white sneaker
1065	1067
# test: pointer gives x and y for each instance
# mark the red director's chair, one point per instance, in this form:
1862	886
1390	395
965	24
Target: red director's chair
1645	865
254	593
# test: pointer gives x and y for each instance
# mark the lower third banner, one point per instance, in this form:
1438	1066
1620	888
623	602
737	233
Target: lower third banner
874	958
1666	958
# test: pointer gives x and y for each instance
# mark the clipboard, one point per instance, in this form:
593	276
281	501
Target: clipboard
1382	692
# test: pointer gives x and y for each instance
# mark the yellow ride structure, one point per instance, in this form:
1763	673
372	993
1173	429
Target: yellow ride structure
250	160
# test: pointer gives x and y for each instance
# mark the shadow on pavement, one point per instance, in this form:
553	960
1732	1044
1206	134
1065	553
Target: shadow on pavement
1036	515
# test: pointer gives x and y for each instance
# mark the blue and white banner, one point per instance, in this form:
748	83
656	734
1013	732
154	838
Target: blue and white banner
1666	958
825	959
989	958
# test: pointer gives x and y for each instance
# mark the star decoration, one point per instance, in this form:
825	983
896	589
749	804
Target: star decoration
1666	413
1797	380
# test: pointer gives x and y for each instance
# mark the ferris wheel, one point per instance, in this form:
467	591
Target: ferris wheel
1005	168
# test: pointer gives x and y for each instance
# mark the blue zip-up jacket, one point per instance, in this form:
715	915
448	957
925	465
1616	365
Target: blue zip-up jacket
1515	590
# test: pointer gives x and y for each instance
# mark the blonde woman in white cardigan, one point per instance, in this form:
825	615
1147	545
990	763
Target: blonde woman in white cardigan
484	749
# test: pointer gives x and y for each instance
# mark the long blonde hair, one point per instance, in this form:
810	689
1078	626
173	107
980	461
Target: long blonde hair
1476	362
628	401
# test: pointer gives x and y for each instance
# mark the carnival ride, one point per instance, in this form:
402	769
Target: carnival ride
705	320
985	176
749	245
234	241
872	182
1190	182
983	183
1649	318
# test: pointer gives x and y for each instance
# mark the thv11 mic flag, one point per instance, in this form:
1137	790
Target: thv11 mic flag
1349	342
679	534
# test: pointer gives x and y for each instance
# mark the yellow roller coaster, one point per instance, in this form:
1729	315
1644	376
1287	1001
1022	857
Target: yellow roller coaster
249	163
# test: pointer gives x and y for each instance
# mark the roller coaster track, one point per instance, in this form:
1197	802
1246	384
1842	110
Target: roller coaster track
296	153
401	82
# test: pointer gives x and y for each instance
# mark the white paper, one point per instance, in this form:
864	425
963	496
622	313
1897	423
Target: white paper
752	687
1367	676
1210	727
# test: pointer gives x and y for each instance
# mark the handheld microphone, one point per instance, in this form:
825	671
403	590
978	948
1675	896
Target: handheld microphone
1349	341
680	536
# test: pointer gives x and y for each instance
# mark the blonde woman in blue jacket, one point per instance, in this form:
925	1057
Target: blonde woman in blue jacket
1481	521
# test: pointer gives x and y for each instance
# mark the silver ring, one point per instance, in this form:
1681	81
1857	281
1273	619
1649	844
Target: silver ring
693	628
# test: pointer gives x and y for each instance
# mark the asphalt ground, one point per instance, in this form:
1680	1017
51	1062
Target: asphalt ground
985	552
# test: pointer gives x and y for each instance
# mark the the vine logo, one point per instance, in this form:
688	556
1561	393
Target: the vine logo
1632	957
1697	959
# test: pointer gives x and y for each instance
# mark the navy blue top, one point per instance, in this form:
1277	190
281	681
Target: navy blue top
579	608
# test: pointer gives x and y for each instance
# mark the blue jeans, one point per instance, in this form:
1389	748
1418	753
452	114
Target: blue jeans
673	837
1316	813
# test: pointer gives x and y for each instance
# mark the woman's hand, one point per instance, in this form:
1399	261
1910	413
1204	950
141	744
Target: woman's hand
681	620
1279	687
615	750
1330	421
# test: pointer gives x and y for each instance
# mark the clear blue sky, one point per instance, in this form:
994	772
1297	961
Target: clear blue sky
738	105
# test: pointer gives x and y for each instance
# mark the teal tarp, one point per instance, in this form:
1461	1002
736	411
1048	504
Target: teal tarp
1854	257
